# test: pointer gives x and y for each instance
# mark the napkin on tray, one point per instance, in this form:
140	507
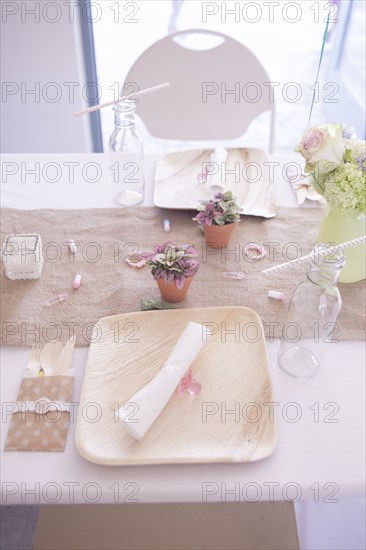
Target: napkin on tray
152	398
214	179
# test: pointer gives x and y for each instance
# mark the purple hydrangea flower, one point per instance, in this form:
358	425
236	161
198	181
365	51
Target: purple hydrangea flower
348	132
361	161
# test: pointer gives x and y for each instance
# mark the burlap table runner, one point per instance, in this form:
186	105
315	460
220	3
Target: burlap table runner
109	286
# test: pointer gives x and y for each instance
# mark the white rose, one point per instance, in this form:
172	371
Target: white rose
323	146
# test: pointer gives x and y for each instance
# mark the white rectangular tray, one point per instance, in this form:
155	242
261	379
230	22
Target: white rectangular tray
177	186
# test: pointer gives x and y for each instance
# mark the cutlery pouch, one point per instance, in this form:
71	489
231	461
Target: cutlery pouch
41	415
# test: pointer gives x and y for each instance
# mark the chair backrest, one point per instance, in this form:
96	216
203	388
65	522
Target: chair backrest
214	93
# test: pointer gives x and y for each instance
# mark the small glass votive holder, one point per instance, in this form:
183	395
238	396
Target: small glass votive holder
22	256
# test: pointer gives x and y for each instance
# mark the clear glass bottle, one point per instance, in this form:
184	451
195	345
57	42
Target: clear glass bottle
126	156
311	317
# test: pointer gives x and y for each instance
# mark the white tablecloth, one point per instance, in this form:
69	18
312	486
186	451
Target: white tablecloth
321	422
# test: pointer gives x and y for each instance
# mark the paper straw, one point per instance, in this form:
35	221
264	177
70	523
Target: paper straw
133	95
325	252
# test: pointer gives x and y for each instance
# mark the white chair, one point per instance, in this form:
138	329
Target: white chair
214	93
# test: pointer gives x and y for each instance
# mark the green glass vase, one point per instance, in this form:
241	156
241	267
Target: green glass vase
338	226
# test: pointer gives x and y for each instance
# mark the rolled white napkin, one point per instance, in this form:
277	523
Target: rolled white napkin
214	181
141	411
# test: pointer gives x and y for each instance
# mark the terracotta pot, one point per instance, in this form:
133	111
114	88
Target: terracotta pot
218	236
170	293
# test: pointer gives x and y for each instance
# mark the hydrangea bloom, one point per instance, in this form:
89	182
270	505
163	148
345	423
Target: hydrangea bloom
345	187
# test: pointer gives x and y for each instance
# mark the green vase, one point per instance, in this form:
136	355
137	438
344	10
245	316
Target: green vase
339	226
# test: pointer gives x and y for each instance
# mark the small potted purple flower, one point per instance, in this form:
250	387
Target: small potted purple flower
173	267
218	218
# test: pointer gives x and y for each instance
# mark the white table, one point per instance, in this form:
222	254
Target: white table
321	456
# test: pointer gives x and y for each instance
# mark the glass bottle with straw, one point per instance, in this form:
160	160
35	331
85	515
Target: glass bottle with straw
126	148
126	156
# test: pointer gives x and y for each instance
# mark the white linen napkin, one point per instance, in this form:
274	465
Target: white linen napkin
214	180
152	398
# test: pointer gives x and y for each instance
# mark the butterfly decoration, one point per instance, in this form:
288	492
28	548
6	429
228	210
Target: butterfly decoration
189	385
303	188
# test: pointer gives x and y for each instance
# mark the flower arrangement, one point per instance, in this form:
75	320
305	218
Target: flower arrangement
336	164
173	263
221	210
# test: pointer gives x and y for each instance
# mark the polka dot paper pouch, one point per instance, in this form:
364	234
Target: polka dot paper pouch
41	416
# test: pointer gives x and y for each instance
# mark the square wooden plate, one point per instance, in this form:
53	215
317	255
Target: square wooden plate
226	422
177	186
